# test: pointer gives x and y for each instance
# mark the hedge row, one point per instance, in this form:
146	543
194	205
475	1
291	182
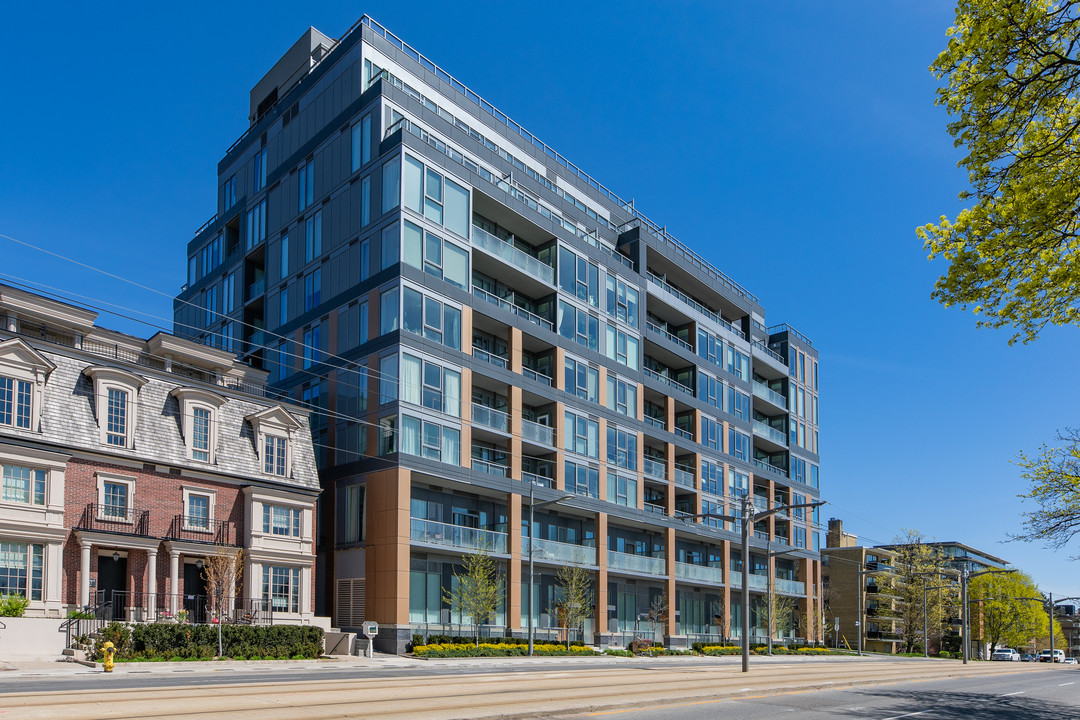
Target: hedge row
762	649
168	641
455	649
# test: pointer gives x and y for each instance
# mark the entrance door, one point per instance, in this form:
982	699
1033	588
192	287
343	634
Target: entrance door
194	593
112	583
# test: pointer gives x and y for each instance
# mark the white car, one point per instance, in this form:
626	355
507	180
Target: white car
1058	656
1006	654
1070	661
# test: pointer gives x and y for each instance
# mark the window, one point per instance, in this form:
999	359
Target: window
435	256
813	476
738	483
430	385
283	305
388	378
312	346
211	255
712	433
260	170
255	227
578	325
281	520
115	404
800	537
438	198
579	277
621	301
200	434
582	435
738	403
711	348
389	242
430	440
210	302
362	330
312	289
388	435
622	490
350	513
198	510
738	364
228	293
582	479
306	183
391	181
710	390
22	569
281	588
431	318
738	444
283	257
388	311
361	142
23	485
622	448
116	503
621	347
365	259
365	203
712	477
274	449
622	396
582	380
15	402
117	420
313	237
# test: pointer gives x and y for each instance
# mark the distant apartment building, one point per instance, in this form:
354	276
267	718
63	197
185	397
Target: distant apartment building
127	462
476	321
847	572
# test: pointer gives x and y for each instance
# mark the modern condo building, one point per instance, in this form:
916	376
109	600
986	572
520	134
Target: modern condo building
476	319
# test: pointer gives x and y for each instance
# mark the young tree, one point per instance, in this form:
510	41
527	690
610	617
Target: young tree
657	614
479	588
222	570
1012	87
1054	477
1005	619
915	565
779	614
575	582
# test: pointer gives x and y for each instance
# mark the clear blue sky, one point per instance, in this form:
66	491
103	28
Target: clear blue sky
795	144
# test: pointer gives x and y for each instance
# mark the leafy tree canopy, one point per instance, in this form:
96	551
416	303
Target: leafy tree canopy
1054	479
1011	84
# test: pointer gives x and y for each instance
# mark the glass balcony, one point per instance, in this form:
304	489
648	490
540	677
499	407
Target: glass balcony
505	304
770	433
636	563
671	382
537	376
699	573
490	417
674	339
655	422
654	508
505	251
684	475
655	468
765	392
456	536
770	468
535	432
541	480
757	582
789	587
490	468
554	551
496	360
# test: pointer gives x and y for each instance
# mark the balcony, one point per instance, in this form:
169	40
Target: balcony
505	251
636	563
770	433
789	587
537	433
655	468
488	357
537	376
490	417
699	573
202	529
763	350
490	468
541	480
770	468
117	519
769	395
559	552
759	583
673	339
656	422
684	475
430	532
654	508
255	289
505	304
670	382
692	303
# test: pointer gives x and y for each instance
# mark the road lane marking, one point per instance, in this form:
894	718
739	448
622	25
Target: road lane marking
1018	692
1064	684
897	717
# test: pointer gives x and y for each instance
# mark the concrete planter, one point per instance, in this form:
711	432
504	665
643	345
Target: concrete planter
29	638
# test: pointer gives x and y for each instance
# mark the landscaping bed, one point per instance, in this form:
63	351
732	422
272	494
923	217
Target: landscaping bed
462	650
172	642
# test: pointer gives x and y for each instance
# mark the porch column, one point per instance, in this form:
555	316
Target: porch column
151	584
84	573
174	580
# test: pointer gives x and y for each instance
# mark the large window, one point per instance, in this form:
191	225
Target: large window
388	311
582	479
281	588
198	512
435	256
430	440
255	227
22	568
577	325
710	390
305	178
579	277
117	501
313	237
275	450
622	448
738	403
738	364
431	318
621	301
116	432
15	399
622	490
582	380
712	433
350	513
280	520
622	396
200	434
391	182
436	197
430	385
621	347
361	142
312	289
260	170
582	435
23	485
738	444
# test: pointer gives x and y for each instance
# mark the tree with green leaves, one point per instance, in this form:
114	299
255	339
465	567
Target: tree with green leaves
916	565
575	584
1011	84
479	588
1054	488
1001	616
778	614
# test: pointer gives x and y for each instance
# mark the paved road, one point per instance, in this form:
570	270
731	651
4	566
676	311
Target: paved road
1045	696
442	691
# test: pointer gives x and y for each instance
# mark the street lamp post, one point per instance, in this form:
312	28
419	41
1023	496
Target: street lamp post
925	629
965	577
770	554
532	507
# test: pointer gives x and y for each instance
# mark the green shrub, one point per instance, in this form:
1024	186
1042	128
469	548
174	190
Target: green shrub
514	649
13	605
172	641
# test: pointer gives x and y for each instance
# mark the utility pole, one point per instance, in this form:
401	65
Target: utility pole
748	517
769	555
965	577
532	507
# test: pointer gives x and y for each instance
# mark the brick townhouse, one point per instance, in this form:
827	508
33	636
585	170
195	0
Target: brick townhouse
126	463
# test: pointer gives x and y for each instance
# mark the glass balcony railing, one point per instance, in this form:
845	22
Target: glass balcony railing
764	349
687	300
490	468
764	392
655	468
684	475
671	382
537	376
496	360
490	417
757	582
535	432
636	563
770	468
699	573
505	304
655	422
456	536
554	551
541	480
674	339
770	433
255	289
505	251
790	587
654	508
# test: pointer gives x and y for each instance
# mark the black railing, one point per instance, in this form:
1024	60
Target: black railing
115	519
88	621
201	529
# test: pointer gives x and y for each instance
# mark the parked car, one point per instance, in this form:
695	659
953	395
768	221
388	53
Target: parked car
1057	656
1028	657
1006	654
1071	661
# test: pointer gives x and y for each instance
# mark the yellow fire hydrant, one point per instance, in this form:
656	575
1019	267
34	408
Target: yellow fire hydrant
109	649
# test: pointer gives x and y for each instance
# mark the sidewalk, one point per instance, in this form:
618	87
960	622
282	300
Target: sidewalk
15	668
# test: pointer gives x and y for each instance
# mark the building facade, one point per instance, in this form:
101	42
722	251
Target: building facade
128	462
846	574
475	319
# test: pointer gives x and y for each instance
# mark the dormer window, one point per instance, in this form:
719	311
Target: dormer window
116	394
275	451
274	429
23	371
198	421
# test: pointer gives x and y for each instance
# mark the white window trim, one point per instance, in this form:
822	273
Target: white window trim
189	399
129	481
19	361
105	379
275	421
203	492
